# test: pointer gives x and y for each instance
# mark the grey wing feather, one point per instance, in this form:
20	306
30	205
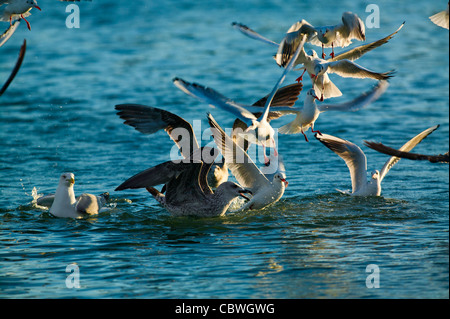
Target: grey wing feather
253	34
356	53
214	98
379	147
408	146
157	175
149	120
16	68
90	204
9	32
346	68
353	156
358	102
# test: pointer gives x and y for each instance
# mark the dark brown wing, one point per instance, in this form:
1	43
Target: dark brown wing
16	67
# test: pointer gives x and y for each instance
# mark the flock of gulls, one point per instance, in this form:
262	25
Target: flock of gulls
198	183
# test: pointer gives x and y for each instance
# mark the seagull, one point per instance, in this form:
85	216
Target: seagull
187	191
16	68
149	120
17	9
259	130
310	111
9	32
441	18
357	163
341	64
341	34
66	205
379	147
266	188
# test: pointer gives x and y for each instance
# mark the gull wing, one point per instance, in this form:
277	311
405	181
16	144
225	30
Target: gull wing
90	204
348	69
352	155
148	120
214	98
379	147
157	175
287	69
408	146
9	32
241	165
359	102
252	34
356	53
16	67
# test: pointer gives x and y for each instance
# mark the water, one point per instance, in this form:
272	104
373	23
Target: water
58	115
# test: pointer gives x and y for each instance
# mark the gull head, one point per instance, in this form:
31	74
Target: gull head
280	178
319	69
375	174
67	179
311	96
33	3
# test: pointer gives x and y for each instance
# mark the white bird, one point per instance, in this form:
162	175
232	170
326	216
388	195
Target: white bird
356	162
259	130
187	190
317	68
340	34
266	188
441	18
149	120
17	9
66	205
307	115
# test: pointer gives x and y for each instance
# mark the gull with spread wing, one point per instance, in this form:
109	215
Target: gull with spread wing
356	162
259	130
318	69
187	192
267	188
310	111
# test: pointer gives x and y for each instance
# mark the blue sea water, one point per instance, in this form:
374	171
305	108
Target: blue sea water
58	115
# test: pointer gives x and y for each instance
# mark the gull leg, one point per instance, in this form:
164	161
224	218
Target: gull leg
10	21
323	53
317	131
28	23
301	76
332	50
275	152
266	159
306	139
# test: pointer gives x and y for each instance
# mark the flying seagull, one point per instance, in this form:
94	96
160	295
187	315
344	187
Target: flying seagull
357	163
317	68
266	188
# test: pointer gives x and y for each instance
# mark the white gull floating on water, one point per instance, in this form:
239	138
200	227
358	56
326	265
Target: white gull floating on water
266	188
356	162
66	205
187	192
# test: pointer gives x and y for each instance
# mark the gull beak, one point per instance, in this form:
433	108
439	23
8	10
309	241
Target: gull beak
37	7
244	192
286	183
72	181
